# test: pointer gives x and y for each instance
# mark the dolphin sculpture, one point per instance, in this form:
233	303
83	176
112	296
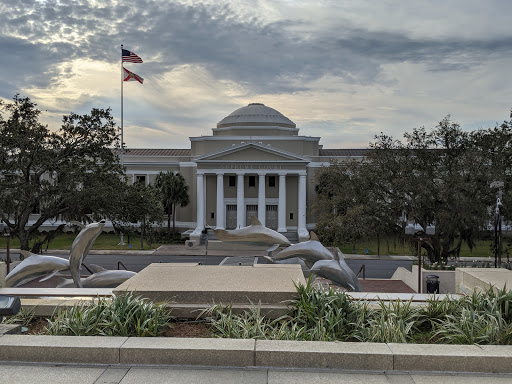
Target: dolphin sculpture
101	279
332	270
310	251
35	266
254	234
293	260
343	264
81	246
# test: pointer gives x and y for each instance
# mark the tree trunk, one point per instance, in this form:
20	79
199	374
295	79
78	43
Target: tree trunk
23	236
378	245
168	224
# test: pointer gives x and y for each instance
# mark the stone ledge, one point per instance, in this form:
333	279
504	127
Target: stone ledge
183	351
9	329
458	358
56	349
249	353
323	354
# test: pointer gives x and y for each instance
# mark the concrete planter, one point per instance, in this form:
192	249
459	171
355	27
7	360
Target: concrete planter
446	279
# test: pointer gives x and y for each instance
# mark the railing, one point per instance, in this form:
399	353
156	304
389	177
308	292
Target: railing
119	263
363	269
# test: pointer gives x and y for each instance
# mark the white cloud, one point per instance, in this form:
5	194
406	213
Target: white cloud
341	70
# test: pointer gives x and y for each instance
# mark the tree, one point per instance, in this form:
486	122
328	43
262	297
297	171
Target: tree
174	191
440	177
68	172
135	209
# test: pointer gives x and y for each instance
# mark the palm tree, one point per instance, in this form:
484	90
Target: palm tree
174	191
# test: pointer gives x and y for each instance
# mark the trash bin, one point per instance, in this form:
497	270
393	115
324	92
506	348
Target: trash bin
432	284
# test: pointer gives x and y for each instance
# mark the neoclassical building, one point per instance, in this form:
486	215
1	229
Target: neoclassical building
255	163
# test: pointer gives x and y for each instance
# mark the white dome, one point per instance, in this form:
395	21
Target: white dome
254	115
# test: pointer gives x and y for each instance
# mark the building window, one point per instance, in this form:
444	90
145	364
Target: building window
272	181
252	181
212	215
291	215
140	179
232	181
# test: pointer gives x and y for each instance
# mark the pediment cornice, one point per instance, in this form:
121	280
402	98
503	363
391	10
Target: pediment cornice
251	152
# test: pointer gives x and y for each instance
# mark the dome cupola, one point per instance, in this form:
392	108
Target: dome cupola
255	119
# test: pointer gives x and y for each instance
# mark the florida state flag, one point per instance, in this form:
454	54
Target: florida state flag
130	76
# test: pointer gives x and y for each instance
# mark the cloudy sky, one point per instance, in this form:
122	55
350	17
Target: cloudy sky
342	70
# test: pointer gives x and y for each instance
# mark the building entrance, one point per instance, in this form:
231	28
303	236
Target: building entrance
252	210
231	216
271	217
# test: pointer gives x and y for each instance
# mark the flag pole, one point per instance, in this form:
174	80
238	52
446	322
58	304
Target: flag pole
122	130
122	81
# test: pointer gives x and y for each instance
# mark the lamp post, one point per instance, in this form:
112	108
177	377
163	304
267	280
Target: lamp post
497	224
410	229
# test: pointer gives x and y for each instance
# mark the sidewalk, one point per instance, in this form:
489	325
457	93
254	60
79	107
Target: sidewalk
80	374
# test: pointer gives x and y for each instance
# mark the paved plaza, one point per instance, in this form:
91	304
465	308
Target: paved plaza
80	374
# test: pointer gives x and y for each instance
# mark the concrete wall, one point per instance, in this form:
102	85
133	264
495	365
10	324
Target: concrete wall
446	279
469	280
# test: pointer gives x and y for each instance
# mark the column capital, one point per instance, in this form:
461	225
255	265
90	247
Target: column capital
200	171
220	173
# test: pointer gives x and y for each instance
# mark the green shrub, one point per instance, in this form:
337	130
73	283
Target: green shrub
394	322
472	327
319	315
124	315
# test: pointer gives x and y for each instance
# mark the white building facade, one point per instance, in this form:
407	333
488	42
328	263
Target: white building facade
255	163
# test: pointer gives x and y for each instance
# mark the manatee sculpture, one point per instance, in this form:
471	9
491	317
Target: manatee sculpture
310	251
81	246
254	234
35	266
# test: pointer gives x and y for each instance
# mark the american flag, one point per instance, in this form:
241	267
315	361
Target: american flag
130	57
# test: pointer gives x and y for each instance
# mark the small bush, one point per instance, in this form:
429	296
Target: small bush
125	315
318	315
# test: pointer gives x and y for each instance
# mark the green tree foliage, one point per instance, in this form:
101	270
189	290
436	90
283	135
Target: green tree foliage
440	177
174	191
68	172
135	210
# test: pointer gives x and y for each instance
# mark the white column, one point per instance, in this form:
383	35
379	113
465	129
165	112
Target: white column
262	208
240	206
302	230
281	217
200	204
204	197
220	201
147	178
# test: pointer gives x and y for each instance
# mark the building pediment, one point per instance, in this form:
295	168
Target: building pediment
251	152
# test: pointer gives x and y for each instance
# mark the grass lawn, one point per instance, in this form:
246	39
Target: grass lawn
482	248
111	241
